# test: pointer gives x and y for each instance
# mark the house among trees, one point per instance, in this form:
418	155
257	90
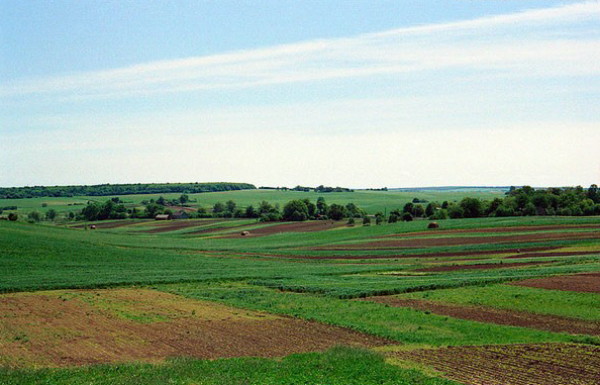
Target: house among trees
162	217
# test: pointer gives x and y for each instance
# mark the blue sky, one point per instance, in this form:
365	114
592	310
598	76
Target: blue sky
277	92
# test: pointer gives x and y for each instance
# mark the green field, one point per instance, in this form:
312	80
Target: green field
321	276
371	201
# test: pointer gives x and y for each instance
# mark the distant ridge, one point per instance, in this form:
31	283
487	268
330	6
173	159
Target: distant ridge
452	188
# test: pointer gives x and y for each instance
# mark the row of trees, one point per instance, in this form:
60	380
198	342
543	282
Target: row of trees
524	201
119	189
295	210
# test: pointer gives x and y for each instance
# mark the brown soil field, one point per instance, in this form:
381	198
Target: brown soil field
480	266
586	283
420	255
496	230
178	224
530	364
461	241
113	225
299	227
497	316
215	229
64	328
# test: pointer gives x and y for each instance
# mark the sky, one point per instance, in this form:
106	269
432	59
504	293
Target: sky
360	94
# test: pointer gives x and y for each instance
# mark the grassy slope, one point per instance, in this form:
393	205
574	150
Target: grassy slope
41	257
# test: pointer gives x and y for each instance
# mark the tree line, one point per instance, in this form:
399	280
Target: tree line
523	201
119	189
294	210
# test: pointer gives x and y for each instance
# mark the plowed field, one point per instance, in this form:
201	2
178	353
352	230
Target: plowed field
299	227
63	328
587	283
532	364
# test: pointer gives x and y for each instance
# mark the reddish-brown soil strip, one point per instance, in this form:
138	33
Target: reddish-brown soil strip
531	364
112	225
555	254
495	230
52	330
178	224
586	283
300	227
496	316
481	266
216	229
423	255
462	241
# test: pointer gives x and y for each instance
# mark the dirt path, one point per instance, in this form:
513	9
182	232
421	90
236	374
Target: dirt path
586	283
497	316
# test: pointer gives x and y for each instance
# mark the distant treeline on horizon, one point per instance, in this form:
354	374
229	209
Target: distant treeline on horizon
119	189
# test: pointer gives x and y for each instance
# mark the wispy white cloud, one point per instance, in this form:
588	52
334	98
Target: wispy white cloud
544	42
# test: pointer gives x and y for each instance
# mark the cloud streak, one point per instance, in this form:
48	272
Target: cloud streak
561	41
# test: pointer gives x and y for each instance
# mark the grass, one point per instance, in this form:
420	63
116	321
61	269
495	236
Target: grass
399	324
265	273
584	306
338	366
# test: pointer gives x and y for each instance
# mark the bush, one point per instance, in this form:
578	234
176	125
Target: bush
407	217
366	221
13	217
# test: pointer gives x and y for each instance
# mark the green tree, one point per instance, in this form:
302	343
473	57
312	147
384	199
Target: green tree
184	198
34	216
471	207
337	212
322	208
250	212
218	209
51	215
366	220
295	210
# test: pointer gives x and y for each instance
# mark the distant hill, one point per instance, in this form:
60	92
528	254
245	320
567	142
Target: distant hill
119	189
453	188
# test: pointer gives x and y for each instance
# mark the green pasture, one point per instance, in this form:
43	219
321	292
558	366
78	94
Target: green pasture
337	366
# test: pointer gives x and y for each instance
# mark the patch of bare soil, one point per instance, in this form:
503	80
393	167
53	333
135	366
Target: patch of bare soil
482	266
288	227
66	328
462	241
520	364
586	283
178	224
420	255
496	316
114	224
496	230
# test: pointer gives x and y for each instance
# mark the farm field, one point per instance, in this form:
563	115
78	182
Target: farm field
318	302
